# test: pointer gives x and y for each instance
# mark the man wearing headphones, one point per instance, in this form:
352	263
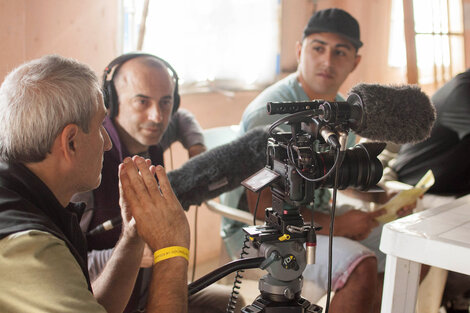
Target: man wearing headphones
142	100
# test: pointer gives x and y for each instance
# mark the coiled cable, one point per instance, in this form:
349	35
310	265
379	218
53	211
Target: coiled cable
237	280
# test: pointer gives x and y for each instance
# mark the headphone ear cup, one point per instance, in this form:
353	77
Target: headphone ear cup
176	99
106	94
111	99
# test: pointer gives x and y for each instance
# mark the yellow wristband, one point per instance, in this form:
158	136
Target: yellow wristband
170	252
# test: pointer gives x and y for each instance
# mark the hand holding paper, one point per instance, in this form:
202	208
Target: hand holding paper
405	197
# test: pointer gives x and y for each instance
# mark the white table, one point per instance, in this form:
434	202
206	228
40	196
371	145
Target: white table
438	237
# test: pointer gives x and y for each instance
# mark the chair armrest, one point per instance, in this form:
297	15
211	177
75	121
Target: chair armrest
232	213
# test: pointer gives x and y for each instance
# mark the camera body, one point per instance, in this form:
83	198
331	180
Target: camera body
295	163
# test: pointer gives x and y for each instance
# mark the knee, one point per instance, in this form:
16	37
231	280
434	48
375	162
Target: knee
366	270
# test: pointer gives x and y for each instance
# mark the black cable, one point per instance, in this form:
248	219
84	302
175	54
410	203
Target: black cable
237	280
223	271
256	208
282	120
330	236
291	158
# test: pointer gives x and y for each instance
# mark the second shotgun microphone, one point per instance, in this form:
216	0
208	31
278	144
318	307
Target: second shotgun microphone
220	169
213	172
399	114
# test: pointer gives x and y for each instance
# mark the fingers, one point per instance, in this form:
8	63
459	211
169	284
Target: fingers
160	220
377	213
410	207
150	166
374	223
126	187
147	176
406	210
165	185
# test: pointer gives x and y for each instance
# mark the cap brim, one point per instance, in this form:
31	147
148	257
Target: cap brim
355	42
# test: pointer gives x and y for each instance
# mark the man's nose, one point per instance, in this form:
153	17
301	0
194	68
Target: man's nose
107	141
155	114
327	58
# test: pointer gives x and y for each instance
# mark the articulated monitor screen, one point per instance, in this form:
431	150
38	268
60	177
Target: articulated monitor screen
260	179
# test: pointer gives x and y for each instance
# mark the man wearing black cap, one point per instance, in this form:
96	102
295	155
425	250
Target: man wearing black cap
326	55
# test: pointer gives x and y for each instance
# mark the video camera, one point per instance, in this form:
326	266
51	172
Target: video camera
312	155
309	157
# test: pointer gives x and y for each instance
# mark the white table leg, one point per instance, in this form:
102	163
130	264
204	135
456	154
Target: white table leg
400	285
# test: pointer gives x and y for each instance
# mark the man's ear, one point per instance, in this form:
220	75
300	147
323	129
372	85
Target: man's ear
356	62
298	50
68	140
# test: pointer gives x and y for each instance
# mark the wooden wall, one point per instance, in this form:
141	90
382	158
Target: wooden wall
85	30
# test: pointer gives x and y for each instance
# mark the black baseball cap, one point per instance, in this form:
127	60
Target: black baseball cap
334	21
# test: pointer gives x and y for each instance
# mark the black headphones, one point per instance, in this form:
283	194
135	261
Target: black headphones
109	90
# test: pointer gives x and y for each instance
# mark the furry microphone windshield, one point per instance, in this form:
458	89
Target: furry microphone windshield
398	114
221	169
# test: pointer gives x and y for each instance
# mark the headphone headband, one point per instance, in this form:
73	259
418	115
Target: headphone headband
109	89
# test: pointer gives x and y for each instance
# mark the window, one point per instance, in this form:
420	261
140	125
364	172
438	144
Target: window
437	34
210	43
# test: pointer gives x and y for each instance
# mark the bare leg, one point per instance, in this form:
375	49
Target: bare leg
378	298
359	292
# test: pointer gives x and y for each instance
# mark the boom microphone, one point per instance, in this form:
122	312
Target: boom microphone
398	114
221	169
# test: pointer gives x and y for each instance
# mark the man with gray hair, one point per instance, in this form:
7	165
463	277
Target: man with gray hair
51	146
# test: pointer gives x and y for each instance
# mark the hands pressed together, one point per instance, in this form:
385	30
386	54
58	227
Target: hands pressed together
150	208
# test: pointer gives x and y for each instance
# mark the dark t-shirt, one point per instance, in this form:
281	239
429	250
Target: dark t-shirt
447	151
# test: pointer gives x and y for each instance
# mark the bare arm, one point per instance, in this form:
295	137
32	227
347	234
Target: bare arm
161	223
114	285
354	224
184	127
196	149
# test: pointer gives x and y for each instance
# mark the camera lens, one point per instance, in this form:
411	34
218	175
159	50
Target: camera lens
361	169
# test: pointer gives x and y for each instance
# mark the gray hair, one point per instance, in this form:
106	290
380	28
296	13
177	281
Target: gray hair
38	99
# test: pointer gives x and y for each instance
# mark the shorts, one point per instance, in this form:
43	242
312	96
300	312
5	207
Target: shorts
347	254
